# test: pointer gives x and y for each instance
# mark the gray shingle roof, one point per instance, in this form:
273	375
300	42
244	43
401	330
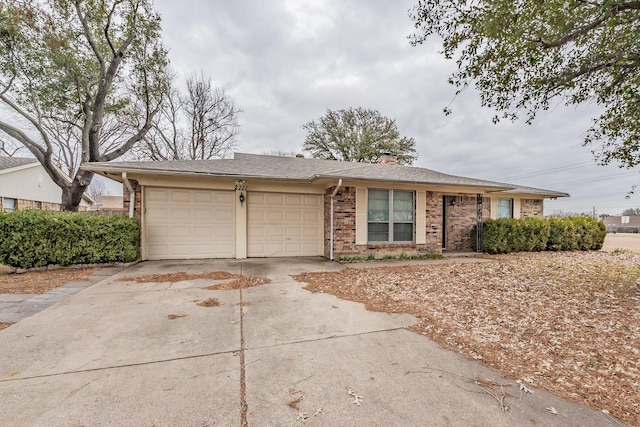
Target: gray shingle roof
301	169
13	162
537	191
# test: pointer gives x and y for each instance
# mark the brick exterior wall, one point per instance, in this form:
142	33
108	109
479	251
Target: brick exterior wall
461	217
22	204
344	222
126	200
433	212
531	208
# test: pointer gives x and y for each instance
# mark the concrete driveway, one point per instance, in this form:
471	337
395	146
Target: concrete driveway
272	355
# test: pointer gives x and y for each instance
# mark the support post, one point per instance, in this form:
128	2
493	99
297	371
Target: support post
478	223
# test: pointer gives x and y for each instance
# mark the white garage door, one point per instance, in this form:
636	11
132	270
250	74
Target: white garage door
284	224
184	223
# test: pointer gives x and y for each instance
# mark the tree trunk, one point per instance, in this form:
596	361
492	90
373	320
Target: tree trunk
72	193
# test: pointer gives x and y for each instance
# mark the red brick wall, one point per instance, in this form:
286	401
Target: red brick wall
461	217
24	204
126	200
531	208
51	206
28	204
344	222
345	227
433	212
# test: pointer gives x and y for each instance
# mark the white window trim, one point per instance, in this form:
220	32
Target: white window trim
512	207
15	204
390	222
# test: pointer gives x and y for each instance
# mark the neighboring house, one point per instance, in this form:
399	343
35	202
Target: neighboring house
622	224
266	206
108	205
25	184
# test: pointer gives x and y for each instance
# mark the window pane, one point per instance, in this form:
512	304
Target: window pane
505	208
9	205
378	232
378	209
402	232
403	206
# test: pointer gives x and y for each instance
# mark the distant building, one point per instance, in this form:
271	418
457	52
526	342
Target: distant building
622	224
24	184
108	205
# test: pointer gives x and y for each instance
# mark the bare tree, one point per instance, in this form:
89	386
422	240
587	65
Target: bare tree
8	148
631	212
202	124
97	189
280	153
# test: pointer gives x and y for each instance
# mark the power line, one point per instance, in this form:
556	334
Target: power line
597	196
550	171
596	179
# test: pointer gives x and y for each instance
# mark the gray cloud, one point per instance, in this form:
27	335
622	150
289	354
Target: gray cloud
286	62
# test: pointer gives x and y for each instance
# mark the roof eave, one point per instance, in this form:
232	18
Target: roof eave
435	183
105	170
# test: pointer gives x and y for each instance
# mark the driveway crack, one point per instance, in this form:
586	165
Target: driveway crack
243	385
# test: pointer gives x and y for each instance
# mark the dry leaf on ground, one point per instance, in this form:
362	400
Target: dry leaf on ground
41	281
565	322
210	302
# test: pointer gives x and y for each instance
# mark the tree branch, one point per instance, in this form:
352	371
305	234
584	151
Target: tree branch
89	37
107	26
33	121
43	157
614	10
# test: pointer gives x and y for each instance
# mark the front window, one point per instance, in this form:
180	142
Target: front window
505	208
8	205
37	205
390	216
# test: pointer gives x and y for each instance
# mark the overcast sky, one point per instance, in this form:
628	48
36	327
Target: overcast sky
285	62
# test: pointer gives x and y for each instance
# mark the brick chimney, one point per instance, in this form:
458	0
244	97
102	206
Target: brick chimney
388	159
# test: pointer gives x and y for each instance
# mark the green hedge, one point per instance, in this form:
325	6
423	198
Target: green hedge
31	238
536	234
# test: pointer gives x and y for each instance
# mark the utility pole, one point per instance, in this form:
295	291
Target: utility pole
594	212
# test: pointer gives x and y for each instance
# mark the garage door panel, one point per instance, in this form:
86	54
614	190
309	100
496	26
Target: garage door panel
158	214
203	197
293	232
293	216
294	200
274	200
284	225
274	216
311	216
226	198
180	215
187	223
180	196
154	195
309	232
311	201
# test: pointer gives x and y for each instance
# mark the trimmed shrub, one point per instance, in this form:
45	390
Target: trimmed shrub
31	238
536	234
